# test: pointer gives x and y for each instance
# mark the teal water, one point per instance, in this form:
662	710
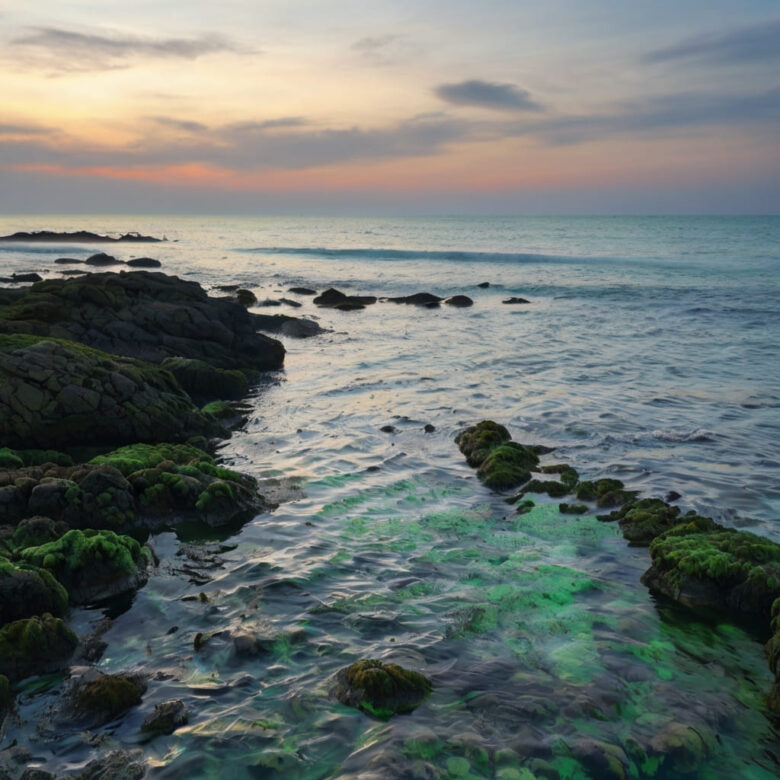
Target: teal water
649	352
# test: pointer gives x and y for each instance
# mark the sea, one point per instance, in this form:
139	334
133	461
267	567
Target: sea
648	351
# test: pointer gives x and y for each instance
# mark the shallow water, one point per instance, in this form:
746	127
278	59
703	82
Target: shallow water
649	352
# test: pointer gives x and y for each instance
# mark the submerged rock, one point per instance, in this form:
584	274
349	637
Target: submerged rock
99	698
34	646
459	301
167	717
144	262
302	291
117	765
516	300
418	299
380	689
335	299
101	258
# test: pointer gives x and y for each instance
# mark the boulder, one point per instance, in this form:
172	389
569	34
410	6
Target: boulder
97	698
144	262
26	591
101	258
418	299
515	300
302	291
335	299
459	301
34	646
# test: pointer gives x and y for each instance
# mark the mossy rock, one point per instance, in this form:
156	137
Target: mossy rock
26	591
477	441
93	565
34	646
16	459
135	457
552	488
572	509
34	531
683	748
593	490
568	475
104	698
725	568
6	697
204	381
507	465
380	689
219	410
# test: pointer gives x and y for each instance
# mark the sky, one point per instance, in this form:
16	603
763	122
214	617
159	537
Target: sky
379	107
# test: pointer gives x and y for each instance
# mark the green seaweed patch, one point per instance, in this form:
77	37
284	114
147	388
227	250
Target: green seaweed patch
34	645
380	689
594	490
477	441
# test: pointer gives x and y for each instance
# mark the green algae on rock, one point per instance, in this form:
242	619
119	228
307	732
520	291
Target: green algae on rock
93	565
641	521
717	569
380	689
34	645
204	381
135	457
477	441
26	591
104	697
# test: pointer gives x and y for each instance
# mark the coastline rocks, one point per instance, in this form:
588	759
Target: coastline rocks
515	300
302	291
144	262
459	301
26	591
290	302
335	299
98	698
380	689
31	277
717	569
57	393
204	381
245	297
101	258
146	315
68	261
641	521
34	646
93	565
78	235
418	299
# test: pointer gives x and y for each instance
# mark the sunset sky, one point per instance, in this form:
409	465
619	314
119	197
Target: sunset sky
362	106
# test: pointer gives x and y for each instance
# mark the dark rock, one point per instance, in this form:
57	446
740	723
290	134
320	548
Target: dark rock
644	520
683	748
34	646
460	301
99	698
268	302
515	300
335	299
68	261
387	429
228	287
144	262
31	277
142	314
101	258
27	590
167	717
302	291
206	382
73	272
379	689
484	285
290	302
428	428
299	328
80	235
117	765
572	509
418	299
673	495
246	297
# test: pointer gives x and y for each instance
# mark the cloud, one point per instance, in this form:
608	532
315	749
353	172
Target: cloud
185	125
372	44
758	43
65	50
8	129
485	94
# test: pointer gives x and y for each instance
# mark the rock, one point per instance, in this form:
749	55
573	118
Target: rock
269	302
204	381
459	301
483	285
101	258
228	287
572	509
299	328
31	277
592	491
73	272
34	531
477	441
302	291
167	717
387	429
77	236
418	299
93	565
56	393
380	689
246	297
6	697
641	521
290	302
27	590
117	765
34	646
145	315
683	748
68	261
718	569
600	759
334	299
99	698
515	300
673	495
144	262
428	428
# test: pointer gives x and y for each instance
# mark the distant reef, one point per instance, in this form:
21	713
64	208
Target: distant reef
80	235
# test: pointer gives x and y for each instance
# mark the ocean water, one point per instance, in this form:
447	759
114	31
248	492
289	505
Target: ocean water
650	352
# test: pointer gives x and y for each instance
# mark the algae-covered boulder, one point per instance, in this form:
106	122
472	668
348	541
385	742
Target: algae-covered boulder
93	565
34	646
477	441
145	315
380	689
26	591
100	698
641	521
682	748
605	492
135	457
6	697
725	568
56	393
204	382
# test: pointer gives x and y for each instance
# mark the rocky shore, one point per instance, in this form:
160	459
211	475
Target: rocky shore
114	389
